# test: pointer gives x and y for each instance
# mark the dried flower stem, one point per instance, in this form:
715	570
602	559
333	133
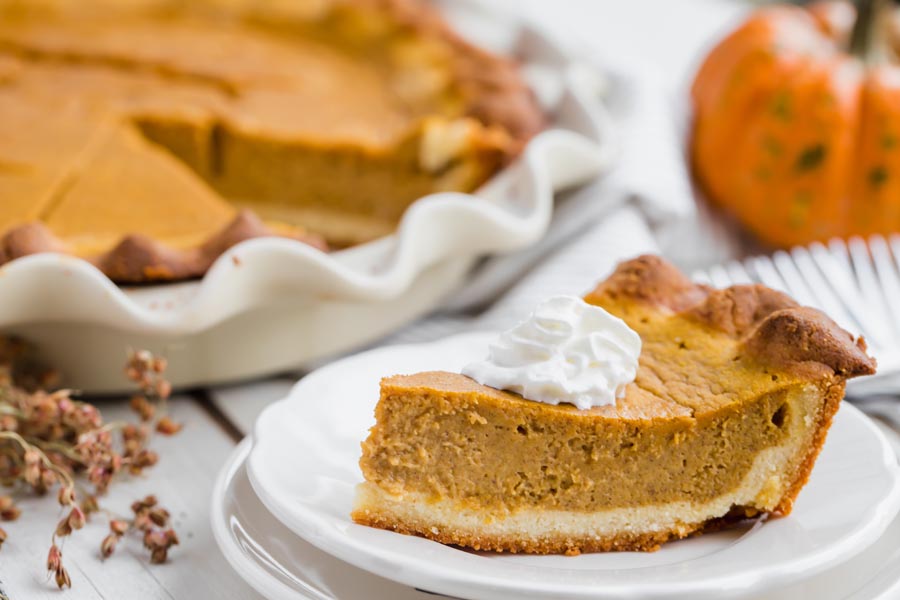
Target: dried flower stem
49	439
23	443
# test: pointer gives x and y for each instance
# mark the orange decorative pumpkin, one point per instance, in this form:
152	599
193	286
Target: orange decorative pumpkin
797	123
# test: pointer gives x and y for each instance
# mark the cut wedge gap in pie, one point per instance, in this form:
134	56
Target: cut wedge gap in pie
734	394
325	118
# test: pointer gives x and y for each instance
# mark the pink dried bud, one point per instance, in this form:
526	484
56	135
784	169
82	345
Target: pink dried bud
76	518
104	438
154	539
167	426
9	423
61	394
65	403
54	558
118	527
132	432
55	432
108	546
10	514
158	556
62	578
48	478
141	359
145	458
88	415
142	407
163	388
159	516
146	502
142	522
32	475
66	495
98	476
86	440
89	505
159	364
44	408
5	502
172	537
63	528
32	457
131	447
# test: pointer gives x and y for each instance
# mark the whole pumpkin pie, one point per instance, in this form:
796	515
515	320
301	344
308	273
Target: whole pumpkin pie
734	394
149	135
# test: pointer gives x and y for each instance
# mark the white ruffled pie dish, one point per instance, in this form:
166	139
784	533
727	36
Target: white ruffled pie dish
304	469
271	304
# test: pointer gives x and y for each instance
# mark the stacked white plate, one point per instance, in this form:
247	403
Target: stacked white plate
280	513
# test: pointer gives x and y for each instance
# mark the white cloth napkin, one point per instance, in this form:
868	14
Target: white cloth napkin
593	228
652	169
573	268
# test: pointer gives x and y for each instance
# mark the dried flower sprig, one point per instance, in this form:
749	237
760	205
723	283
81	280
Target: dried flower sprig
50	439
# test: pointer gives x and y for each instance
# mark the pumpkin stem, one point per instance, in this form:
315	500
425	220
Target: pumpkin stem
866	39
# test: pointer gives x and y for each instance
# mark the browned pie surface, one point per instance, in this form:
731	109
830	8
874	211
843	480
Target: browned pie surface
326	116
724	375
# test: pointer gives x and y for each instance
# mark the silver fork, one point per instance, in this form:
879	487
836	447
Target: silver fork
857	283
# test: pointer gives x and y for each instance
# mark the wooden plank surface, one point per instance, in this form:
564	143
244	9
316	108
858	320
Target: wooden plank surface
241	404
182	481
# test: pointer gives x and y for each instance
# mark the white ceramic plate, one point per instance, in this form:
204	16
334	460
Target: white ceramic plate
304	468
271	304
274	561
283	566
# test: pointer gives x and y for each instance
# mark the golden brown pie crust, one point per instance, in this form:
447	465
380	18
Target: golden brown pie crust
716	362
140	259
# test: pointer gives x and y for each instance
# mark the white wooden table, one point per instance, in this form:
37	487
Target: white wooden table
668	35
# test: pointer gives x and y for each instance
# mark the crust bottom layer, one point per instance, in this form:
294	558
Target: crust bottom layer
528	531
769	487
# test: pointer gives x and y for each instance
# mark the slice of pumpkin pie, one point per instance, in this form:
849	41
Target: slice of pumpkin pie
656	409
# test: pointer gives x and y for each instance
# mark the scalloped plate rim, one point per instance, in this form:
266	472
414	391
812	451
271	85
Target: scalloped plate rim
397	565
593	149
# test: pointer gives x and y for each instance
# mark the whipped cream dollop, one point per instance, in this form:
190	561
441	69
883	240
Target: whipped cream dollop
566	351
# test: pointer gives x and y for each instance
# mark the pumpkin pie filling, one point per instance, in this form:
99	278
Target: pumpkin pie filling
734	394
326	123
618	462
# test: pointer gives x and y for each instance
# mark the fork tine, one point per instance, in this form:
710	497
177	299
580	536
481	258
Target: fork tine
767	273
868	283
738	273
786	266
719	276
886	269
857	283
701	277
826	299
894	243
834	264
838	250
